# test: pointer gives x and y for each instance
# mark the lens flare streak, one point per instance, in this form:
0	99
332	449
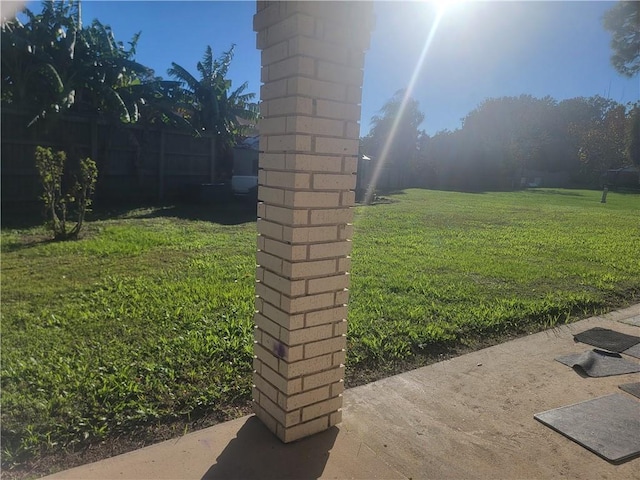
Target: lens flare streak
403	105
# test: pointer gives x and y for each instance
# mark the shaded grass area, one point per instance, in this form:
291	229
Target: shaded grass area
148	319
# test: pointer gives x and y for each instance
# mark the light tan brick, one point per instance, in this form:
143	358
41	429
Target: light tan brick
350	165
345	231
297	24
330	315
340	328
293	402
289	106
304	367
282	351
333	72
314	163
315	126
292	418
329	250
297	432
306	303
348	199
354	94
339	358
337	388
305	335
323	347
275	53
269	14
265	388
285	215
331	216
323	181
266	325
328	284
288	387
341	110
284	250
272	125
311	199
257	364
267	419
335	418
291	288
352	130
341	298
273	409
288	143
292	66
266	357
262	208
308	87
308	269
275	89
274	196
271	161
344	264
320	409
286	320
327	377
268	294
289	180
313	48
309	234
269	261
329	145
269	229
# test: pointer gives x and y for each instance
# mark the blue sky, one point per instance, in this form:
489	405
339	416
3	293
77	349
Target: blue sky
478	50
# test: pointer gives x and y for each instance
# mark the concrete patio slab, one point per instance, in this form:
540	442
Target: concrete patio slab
468	417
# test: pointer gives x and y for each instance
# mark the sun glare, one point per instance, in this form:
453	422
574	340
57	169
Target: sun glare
382	160
444	6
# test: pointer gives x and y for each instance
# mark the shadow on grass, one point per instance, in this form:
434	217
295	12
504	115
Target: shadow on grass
255	453
231	212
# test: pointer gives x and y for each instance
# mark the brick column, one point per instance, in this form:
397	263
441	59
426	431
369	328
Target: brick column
312	60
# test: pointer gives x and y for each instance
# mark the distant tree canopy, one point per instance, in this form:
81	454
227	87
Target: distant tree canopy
395	131
505	140
623	21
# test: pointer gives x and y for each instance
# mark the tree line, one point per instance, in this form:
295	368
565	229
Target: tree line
53	64
509	142
505	140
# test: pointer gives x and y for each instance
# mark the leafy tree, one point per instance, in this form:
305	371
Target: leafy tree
395	135
623	21
209	104
52	64
633	134
60	202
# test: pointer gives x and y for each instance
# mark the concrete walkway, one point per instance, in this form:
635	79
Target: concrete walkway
468	417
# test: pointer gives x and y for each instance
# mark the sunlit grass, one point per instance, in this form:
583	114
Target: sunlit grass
149	317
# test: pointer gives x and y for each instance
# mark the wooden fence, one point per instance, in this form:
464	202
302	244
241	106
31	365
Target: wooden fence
134	162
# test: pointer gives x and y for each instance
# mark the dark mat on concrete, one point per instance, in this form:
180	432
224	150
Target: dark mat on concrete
608	426
632	388
633	351
607	339
597	363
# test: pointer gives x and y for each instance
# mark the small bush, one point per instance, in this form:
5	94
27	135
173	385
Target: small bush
75	202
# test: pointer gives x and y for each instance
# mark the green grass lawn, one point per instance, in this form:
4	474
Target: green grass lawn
148	318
